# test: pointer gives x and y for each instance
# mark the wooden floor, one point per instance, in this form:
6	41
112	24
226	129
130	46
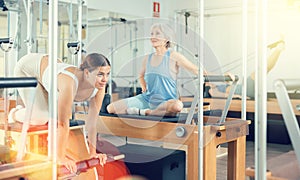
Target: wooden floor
273	150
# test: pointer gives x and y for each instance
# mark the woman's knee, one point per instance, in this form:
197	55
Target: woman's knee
116	107
110	108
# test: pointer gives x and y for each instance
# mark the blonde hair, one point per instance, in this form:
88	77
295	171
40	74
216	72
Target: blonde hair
167	31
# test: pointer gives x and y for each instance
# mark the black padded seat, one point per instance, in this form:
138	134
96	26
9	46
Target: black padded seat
189	104
175	119
180	118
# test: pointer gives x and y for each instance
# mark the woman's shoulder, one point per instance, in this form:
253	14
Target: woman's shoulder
146	57
63	67
61	63
175	55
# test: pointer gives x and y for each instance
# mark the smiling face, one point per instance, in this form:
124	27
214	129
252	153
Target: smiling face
157	38
99	76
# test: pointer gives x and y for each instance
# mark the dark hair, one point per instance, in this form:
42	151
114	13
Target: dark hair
94	60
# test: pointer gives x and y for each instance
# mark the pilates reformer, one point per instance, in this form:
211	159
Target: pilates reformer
37	145
232	131
228	101
37	136
287	165
180	130
20	164
272	105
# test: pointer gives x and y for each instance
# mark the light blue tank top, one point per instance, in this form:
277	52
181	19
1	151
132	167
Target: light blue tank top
161	86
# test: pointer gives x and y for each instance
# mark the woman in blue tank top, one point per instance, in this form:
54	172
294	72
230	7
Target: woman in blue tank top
157	79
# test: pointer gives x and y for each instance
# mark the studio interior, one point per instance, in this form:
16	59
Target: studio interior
149	90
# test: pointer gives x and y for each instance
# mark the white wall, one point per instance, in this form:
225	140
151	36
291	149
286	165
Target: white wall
224	34
286	22
132	7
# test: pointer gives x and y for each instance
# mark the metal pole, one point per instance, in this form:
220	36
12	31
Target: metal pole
281	90
111	58
8	64
86	21
25	6
14	32
245	57
52	126
260	91
71	21
79	30
5	93
29	25
6	102
200	85
135	49
41	17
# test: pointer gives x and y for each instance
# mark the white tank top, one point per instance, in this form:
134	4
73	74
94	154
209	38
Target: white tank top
61	68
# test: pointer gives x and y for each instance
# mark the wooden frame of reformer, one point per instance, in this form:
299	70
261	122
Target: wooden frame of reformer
166	132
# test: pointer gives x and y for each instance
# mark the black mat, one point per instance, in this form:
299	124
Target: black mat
180	118
189	104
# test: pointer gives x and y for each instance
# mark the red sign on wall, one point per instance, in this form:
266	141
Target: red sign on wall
156	9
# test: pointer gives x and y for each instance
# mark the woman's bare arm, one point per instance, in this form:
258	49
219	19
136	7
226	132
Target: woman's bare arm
92	117
65	102
142	75
184	62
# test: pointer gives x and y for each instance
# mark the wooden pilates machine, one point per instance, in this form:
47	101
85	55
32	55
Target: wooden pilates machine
16	163
231	131
287	165
34	163
217	131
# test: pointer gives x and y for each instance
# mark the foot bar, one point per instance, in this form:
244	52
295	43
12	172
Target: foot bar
15	82
219	78
5	40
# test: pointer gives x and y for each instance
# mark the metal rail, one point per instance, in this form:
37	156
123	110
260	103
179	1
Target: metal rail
281	90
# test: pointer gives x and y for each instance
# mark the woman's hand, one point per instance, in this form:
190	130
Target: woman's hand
102	158
144	89
69	164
